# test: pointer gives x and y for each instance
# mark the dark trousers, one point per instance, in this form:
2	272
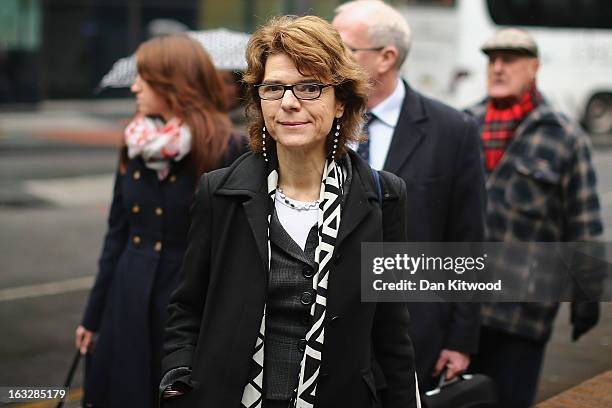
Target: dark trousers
514	364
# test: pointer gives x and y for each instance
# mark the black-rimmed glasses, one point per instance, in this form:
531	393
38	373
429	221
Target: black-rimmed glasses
306	91
365	49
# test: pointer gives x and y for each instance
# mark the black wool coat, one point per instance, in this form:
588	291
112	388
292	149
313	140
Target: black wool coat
436	150
216	311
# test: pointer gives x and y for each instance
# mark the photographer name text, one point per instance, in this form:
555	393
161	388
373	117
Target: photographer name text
425	285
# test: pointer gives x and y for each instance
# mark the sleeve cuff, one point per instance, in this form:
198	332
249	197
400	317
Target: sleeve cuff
180	375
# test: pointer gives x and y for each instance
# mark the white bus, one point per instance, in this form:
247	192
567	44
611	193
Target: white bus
574	37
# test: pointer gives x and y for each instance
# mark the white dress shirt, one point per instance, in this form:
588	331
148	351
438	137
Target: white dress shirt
382	127
297	223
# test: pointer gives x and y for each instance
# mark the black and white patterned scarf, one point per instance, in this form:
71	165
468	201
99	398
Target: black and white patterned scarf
332	185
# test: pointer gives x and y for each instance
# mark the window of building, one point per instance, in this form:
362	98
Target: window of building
552	13
20	24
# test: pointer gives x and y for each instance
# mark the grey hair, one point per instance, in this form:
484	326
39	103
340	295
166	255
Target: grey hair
386	26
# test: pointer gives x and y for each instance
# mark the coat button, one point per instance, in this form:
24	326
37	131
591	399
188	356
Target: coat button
136	175
135	209
159	211
158	246
302	345
172	178
136	240
308	272
307	298
333	321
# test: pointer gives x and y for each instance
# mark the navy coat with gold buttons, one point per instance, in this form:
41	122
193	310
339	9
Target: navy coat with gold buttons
138	269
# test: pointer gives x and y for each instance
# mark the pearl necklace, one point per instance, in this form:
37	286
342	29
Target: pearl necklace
297	205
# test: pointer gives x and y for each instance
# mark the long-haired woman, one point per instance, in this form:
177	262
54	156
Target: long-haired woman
180	131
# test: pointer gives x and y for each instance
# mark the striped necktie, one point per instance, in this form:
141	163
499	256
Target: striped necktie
364	148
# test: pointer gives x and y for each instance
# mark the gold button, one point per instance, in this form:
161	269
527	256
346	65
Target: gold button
172	178
158	246
135	208
136	240
159	211
136	175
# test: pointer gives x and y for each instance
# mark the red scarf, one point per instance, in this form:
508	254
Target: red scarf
157	142
500	125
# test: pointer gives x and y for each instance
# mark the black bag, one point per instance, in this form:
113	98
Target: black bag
463	391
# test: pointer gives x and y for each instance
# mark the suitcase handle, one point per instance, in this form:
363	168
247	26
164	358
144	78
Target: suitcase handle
73	367
443	383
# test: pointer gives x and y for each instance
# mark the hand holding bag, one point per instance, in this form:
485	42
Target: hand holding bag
463	391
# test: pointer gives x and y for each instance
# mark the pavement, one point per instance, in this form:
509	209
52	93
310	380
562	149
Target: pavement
87	122
56	173
59	146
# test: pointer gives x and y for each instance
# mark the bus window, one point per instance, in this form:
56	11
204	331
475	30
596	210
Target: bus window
552	13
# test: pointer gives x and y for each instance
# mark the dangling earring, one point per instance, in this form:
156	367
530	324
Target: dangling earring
336	134
263	142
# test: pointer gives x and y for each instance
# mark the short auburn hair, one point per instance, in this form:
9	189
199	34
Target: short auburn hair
316	49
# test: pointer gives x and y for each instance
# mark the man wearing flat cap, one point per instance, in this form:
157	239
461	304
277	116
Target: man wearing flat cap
541	187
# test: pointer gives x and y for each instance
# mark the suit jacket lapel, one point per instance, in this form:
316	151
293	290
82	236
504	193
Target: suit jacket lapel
408	133
256	210
248	179
281	238
358	201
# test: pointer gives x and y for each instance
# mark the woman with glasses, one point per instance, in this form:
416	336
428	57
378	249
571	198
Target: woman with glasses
269	312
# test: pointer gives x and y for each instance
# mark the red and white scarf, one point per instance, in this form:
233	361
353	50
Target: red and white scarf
157	142
501	123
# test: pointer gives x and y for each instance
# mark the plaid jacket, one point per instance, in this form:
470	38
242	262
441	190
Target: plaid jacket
543	190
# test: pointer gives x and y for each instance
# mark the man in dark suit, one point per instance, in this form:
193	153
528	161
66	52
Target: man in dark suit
436	150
